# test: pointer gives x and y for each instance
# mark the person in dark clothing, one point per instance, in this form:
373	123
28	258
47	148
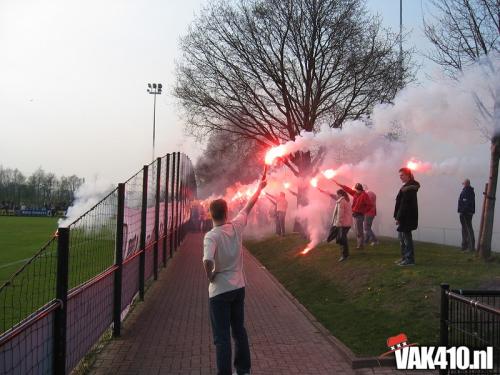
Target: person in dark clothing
406	215
466	209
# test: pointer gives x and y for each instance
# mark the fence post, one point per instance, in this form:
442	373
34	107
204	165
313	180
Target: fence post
142	244
61	313
172	207
185	206
165	212
444	316
177	201
117	298
181	225
157	218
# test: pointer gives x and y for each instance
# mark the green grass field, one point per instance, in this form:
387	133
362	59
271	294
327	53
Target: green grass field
367	298
21	238
91	251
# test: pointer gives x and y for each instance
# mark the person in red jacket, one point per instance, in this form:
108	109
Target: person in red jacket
361	205
370	237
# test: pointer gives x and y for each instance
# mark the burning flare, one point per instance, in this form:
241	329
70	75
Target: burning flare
413	165
286	185
306	250
417	165
314	182
329	174
273	153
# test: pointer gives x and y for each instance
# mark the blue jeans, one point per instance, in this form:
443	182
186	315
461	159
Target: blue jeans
226	314
360	237
367	224
407	250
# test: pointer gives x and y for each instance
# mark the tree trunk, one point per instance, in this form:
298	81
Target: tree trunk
303	162
489	211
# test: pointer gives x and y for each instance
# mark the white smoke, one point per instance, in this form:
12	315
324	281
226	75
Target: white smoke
86	197
443	125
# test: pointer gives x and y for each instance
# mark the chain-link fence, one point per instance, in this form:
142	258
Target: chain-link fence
82	282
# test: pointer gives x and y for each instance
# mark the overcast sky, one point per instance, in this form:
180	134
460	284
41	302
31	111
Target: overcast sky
73	77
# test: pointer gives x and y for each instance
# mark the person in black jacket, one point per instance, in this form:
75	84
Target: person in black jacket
466	208
406	215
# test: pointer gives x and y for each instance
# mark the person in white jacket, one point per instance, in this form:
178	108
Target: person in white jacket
342	218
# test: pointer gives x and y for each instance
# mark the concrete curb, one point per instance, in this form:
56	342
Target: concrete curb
339	346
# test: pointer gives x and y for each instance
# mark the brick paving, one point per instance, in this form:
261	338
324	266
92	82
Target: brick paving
170	333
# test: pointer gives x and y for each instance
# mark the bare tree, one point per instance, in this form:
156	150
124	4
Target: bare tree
268	70
462	32
226	160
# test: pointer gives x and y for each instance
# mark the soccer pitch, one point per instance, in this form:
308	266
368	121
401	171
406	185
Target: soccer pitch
20	239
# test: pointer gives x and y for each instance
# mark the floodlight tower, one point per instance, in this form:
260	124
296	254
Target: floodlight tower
154	89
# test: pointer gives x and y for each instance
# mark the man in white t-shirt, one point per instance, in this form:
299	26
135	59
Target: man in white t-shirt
223	263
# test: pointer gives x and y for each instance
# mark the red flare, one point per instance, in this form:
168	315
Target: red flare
306	250
329	174
412	165
314	182
273	153
417	165
286	185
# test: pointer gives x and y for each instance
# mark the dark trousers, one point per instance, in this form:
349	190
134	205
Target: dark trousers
280	223
226	315
468	240
407	250
342	241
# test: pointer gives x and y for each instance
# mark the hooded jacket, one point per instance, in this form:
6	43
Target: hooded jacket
467	201
406	209
342	213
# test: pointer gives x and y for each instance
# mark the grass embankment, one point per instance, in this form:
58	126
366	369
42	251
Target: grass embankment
367	298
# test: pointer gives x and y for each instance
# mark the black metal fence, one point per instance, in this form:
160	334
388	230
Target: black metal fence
471	318
83	281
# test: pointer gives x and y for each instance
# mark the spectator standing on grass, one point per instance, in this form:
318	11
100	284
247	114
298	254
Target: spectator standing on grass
361	204
281	207
223	263
406	216
342	219
466	209
370	237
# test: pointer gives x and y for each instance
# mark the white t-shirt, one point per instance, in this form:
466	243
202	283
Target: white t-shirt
223	246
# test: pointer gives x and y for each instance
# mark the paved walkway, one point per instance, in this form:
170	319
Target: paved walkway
170	333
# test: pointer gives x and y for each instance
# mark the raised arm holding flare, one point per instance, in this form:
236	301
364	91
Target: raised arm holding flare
223	263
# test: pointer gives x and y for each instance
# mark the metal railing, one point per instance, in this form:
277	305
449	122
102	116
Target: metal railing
471	318
83	281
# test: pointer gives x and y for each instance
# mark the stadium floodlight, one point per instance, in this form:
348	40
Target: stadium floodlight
154	89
